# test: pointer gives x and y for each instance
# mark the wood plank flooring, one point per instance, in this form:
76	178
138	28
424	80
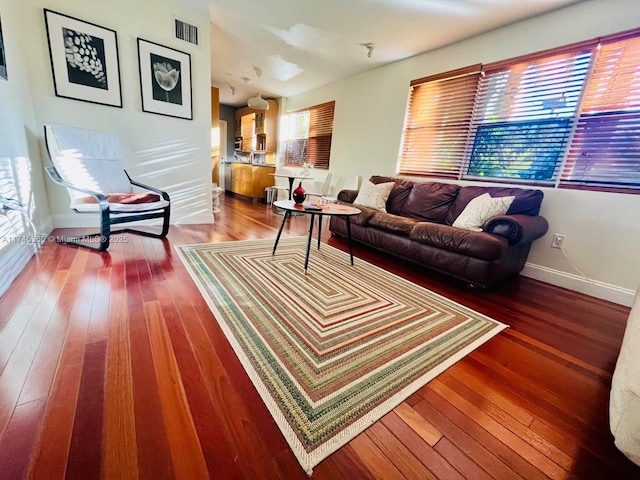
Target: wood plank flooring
112	366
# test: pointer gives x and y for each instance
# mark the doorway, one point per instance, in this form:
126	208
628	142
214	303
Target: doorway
220	160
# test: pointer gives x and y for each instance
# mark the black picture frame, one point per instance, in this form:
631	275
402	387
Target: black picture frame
165	80
3	57
84	60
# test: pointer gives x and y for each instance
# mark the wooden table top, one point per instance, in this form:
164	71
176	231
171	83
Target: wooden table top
326	209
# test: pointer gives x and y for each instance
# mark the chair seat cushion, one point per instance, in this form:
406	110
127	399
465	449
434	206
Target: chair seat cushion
83	207
126	198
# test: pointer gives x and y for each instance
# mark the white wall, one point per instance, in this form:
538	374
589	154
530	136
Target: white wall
19	155
173	154
170	153
602	229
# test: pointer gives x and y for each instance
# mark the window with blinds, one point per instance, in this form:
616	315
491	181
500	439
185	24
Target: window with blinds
307	135
437	123
605	151
567	117
523	116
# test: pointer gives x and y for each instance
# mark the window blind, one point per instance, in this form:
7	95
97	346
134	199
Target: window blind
309	134
437	123
605	148
523	116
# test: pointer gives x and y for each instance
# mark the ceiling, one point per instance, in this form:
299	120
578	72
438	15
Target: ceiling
303	44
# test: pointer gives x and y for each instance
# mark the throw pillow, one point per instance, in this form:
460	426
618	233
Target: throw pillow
374	196
481	209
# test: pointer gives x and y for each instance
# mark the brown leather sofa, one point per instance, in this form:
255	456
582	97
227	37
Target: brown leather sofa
418	227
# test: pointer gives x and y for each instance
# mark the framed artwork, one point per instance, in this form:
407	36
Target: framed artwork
3	58
84	60
165	80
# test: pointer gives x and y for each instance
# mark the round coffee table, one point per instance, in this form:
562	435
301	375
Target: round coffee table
313	209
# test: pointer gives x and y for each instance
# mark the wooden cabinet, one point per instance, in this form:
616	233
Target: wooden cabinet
270	126
259	122
251	180
258	129
262	178
248	130
237	131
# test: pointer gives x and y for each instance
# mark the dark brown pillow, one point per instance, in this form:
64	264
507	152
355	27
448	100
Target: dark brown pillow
398	195
431	201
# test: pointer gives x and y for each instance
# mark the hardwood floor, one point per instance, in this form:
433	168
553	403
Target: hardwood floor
112	366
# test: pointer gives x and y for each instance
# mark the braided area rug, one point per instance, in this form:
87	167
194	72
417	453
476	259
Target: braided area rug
332	351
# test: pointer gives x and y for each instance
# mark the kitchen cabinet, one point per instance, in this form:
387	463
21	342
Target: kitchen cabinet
258	129
250	180
248	130
238	123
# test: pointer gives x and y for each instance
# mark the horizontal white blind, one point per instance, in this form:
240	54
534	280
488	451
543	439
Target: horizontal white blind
523	116
437	124
606	147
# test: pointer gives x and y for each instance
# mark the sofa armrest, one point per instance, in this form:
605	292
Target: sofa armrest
347	195
517	228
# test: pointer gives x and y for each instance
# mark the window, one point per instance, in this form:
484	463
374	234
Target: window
438	122
568	117
606	147
523	116
307	135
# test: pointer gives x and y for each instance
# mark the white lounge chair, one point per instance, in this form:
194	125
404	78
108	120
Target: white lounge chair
87	163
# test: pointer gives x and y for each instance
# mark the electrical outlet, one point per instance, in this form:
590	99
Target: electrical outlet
558	240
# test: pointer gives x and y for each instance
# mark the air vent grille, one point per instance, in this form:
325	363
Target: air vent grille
185	31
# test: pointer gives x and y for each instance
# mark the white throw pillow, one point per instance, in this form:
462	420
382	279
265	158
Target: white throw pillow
481	209
374	196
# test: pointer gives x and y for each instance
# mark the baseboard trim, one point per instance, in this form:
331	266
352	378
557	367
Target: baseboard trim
14	260
593	288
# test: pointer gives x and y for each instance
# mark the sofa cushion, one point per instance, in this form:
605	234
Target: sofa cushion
430	201
398	195
480	209
376	179
374	196
525	201
363	217
465	242
392	223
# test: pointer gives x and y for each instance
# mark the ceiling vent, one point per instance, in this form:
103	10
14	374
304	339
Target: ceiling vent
185	31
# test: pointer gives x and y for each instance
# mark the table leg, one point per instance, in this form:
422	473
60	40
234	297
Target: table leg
306	258
284	220
320	217
349	237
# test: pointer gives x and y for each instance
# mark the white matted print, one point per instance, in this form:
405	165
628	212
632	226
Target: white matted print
84	60
165	80
3	60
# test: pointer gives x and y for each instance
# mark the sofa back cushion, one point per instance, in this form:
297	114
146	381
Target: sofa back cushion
430	201
525	202
398	195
